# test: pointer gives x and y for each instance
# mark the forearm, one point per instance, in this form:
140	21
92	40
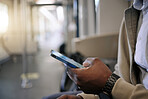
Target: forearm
125	90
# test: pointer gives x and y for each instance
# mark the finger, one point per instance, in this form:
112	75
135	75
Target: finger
73	74
88	62
70	74
76	70
70	71
63	97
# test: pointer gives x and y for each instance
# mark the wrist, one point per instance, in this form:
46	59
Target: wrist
110	84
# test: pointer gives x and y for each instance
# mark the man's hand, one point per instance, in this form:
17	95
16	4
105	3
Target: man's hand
92	78
70	97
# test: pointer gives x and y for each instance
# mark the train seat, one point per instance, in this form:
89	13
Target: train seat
102	46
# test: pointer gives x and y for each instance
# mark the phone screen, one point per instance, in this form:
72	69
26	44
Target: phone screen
69	62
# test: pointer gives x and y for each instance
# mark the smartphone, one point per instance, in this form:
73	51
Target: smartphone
69	62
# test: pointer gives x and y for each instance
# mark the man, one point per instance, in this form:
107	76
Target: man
130	79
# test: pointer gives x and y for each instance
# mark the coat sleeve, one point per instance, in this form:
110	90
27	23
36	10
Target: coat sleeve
125	90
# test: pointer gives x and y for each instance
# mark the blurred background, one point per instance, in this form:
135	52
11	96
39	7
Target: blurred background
29	29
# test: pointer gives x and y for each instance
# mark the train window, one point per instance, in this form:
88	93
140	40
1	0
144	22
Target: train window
96	4
3	18
60	13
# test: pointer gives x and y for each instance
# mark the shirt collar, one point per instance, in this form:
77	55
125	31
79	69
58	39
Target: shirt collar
141	5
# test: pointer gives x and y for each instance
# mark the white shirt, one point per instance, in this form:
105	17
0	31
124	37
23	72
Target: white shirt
139	5
141	52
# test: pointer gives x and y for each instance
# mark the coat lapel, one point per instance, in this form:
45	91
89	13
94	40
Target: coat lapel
131	17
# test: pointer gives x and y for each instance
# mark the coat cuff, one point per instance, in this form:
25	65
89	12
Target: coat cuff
122	89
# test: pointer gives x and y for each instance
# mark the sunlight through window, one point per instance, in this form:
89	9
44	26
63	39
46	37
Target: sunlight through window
3	18
60	13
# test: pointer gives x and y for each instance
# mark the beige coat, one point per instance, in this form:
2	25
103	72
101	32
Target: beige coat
127	86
